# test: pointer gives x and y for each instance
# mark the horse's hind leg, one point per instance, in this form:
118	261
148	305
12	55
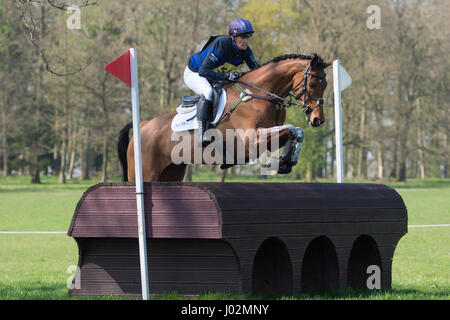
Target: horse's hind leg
173	172
149	172
151	166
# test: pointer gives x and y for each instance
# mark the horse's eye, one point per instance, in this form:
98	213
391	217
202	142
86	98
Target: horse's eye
312	85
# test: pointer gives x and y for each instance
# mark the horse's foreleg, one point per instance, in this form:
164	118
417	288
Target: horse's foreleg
289	136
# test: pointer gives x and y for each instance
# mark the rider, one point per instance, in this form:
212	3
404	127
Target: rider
233	49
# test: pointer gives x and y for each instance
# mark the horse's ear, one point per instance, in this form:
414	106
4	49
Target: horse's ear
328	63
315	59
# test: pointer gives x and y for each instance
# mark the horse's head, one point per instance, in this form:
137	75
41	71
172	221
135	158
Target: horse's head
309	86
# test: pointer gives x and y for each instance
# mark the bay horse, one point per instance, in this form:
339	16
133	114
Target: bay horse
274	81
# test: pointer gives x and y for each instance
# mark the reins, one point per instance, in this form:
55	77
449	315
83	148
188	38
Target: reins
280	102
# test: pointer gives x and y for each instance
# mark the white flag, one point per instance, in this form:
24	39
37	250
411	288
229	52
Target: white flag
344	78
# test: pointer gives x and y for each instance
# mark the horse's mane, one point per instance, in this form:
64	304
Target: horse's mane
320	61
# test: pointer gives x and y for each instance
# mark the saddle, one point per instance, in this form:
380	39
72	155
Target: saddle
186	117
189	103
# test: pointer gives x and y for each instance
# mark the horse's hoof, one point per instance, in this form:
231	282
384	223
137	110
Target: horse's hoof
284	169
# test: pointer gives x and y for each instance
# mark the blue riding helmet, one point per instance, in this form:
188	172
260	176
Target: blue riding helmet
240	26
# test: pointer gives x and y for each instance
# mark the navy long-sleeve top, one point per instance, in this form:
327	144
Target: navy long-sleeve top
223	49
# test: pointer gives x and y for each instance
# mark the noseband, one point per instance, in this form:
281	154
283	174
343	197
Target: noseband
306	108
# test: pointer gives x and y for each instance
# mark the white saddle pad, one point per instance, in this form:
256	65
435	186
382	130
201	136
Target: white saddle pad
188	121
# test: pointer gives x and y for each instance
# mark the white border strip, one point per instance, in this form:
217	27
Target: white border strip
430	226
33	232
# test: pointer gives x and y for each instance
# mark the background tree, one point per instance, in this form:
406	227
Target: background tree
60	112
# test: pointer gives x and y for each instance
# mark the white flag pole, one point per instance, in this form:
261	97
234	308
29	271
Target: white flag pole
138	175
338	121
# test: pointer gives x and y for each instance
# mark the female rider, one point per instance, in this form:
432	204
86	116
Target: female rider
233	49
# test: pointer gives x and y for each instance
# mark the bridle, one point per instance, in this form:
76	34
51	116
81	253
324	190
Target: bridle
320	101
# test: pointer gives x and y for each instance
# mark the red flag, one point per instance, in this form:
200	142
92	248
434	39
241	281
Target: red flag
120	67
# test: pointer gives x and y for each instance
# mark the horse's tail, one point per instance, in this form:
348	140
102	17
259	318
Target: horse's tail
122	147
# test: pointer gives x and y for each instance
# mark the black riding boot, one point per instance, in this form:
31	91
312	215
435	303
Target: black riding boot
204	108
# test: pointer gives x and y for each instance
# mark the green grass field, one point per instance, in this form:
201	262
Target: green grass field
37	266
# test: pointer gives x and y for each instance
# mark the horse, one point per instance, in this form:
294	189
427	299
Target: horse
293	75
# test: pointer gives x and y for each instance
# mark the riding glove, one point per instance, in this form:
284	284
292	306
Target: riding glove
232	77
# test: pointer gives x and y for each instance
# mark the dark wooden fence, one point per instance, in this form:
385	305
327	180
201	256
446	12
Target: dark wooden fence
252	238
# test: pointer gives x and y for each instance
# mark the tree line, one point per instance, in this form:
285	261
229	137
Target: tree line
60	111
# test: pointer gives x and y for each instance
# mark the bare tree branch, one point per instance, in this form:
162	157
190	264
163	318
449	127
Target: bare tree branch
31	26
52	3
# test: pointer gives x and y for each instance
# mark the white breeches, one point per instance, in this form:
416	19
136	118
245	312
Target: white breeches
198	84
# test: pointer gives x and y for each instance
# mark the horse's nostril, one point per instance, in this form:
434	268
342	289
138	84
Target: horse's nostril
316	122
